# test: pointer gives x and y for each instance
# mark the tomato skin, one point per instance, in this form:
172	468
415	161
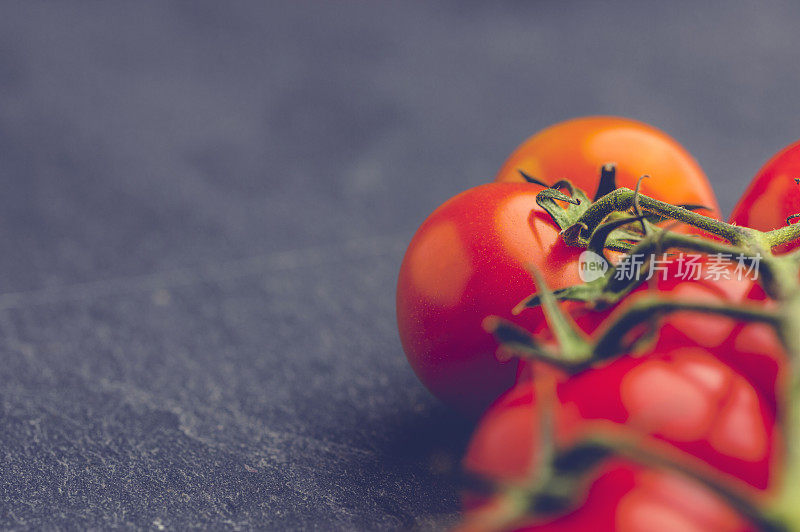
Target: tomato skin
468	261
686	398
628	497
773	195
689	399
753	349
576	149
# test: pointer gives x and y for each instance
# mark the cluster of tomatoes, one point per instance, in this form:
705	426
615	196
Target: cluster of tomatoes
705	387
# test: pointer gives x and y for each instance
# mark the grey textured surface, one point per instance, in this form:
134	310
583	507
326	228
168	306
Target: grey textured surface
203	207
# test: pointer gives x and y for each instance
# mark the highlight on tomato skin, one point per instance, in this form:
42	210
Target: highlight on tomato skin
753	349
773	195
705	388
686	398
576	149
467	261
625	496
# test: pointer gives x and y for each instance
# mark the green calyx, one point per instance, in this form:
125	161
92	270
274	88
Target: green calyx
617	209
624	220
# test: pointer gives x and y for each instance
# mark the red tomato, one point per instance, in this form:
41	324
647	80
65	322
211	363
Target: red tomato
773	195
752	348
576	150
628	497
468	261
686	398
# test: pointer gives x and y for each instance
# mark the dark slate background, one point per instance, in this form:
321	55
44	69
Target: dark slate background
203	206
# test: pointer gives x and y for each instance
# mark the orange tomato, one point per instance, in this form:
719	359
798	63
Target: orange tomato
576	150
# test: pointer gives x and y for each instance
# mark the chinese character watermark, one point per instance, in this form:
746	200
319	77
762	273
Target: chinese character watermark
685	266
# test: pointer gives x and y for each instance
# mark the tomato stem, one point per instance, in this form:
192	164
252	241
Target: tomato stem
610	341
624	442
587	224
783	284
572	344
608	180
780	280
623	199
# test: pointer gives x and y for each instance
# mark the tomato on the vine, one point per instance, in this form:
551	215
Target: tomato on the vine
576	150
773	195
686	398
751	348
625	496
468	261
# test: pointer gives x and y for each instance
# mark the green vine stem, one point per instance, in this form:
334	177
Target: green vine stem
577	353
779	275
657	454
623	199
781	280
